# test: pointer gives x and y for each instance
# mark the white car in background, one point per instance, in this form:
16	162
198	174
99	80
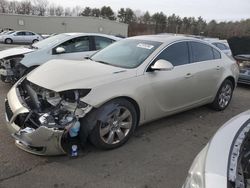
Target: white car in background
16	62
225	161
20	37
221	44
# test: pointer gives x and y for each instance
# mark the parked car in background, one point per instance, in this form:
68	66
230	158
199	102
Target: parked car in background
221	44
225	161
131	82
6	32
243	61
15	62
20	37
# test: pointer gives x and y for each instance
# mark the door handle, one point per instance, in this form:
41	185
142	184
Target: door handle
218	67
188	75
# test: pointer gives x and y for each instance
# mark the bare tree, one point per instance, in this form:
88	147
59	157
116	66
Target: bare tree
67	12
59	11
52	10
41	6
76	11
25	7
3	6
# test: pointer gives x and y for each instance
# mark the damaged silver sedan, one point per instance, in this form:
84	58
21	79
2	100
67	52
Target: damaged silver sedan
104	98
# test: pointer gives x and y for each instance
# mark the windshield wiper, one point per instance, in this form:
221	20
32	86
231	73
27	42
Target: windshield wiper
103	62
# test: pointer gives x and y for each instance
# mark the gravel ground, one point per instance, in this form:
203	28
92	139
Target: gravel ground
158	155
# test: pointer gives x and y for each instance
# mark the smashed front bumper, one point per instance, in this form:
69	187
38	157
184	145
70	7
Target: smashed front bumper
40	141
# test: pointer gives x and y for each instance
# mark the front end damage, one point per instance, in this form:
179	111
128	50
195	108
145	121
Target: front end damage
41	120
11	69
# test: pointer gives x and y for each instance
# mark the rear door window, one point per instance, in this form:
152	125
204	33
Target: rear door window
177	54
221	46
20	33
102	42
217	54
201	52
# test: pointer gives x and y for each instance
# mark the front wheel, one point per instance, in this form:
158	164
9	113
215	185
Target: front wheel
116	127
224	96
8	41
34	41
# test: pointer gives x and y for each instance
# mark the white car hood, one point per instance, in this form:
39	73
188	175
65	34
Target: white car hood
14	51
61	75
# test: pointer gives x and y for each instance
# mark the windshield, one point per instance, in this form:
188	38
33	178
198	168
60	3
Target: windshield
127	53
8	32
49	41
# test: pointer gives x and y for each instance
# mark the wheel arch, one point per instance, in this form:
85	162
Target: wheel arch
134	103
231	78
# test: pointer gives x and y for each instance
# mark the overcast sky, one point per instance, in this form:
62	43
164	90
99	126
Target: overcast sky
221	10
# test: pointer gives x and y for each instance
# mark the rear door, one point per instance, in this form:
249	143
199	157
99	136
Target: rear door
207	70
29	37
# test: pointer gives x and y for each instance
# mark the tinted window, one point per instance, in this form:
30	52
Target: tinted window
201	52
29	33
102	42
177	54
80	44
217	54
221	46
20	33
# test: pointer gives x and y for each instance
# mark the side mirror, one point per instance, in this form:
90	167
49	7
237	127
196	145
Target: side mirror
60	50
162	65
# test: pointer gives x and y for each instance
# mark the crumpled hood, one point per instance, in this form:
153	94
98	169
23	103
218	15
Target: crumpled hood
14	51
61	75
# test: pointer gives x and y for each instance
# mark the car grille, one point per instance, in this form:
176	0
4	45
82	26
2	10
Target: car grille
8	110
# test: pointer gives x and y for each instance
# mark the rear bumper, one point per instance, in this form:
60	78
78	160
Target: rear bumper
40	141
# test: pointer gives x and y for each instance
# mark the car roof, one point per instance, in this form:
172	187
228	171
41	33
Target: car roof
166	38
92	34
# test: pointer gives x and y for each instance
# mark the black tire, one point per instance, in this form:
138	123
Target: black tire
34	41
120	104
217	104
8	41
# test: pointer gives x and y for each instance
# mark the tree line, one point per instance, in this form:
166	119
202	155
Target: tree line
139	23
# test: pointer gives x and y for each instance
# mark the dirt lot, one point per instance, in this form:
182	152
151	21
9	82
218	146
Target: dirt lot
158	155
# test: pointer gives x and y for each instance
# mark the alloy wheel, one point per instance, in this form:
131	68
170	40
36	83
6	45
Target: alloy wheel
117	126
225	95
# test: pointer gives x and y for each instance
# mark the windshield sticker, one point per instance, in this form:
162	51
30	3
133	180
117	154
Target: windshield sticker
145	46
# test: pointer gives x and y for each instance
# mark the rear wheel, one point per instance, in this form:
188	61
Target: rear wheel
224	96
8	41
116	127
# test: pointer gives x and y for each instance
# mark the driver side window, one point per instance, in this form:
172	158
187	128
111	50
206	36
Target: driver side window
177	54
80	44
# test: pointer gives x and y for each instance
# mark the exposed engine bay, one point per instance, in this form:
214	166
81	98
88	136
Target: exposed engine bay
11	69
49	110
239	164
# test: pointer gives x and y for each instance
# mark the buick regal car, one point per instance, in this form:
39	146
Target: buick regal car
244	65
129	83
16	62
225	161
